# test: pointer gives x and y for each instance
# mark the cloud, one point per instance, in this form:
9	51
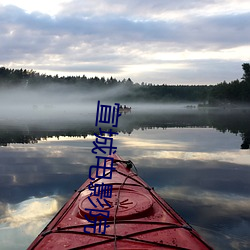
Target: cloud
143	9
95	38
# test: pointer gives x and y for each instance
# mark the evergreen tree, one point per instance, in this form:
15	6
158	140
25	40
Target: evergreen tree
246	69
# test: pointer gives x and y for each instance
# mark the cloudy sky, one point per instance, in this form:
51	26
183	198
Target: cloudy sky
157	41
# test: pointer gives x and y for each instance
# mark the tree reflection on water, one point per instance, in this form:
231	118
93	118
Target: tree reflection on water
234	121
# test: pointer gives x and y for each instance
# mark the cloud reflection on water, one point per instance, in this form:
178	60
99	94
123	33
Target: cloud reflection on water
29	210
226	216
22	222
201	174
234	156
204	178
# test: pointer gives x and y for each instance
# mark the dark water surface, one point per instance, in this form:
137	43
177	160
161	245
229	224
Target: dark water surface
193	158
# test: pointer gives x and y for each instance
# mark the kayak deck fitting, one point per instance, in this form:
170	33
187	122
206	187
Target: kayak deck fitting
138	218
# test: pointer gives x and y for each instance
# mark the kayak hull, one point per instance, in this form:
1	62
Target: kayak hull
138	218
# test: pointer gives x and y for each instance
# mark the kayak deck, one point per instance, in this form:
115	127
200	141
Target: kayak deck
138	218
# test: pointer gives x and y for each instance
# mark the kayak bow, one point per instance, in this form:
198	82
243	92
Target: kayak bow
138	218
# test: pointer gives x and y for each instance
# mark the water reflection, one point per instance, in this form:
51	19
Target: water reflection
201	174
193	160
19	222
33	209
234	121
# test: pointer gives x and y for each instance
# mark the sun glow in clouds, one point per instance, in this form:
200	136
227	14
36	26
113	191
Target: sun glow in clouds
45	6
184	42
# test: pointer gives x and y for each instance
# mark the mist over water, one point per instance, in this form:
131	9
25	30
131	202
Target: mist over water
191	156
58	102
44	103
61	107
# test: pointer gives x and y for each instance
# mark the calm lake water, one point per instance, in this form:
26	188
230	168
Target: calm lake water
197	160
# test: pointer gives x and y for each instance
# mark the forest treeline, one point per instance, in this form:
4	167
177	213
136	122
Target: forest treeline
236	91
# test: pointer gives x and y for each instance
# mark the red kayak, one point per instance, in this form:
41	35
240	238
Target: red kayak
133	217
